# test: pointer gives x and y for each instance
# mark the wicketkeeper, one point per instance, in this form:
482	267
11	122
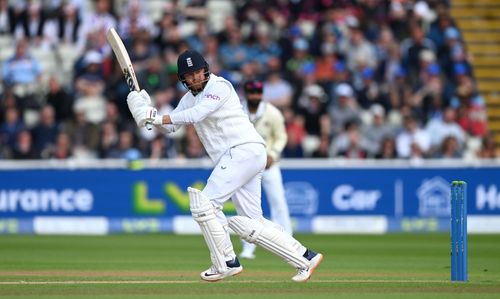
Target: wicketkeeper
213	107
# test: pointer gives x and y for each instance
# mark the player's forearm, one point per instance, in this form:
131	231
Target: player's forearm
191	115
280	137
280	143
166	120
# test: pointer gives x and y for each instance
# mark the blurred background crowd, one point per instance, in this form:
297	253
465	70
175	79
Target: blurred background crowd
359	79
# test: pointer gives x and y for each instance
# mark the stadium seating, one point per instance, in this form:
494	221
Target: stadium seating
479	22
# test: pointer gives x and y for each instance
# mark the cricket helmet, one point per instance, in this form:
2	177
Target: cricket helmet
253	86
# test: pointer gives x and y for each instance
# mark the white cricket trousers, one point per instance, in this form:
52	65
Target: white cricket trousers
272	182
238	176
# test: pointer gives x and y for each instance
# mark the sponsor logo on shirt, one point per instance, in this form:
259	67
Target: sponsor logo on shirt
212	96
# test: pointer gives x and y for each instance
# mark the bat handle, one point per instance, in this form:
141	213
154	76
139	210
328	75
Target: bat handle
149	126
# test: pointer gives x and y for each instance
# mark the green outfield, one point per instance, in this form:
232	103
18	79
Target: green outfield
167	266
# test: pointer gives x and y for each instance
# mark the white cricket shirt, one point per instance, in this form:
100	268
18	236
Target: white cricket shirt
218	117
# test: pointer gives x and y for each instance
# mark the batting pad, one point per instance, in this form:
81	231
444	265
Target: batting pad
270	238
213	231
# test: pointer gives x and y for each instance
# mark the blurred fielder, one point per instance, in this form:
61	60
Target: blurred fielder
213	107
270	124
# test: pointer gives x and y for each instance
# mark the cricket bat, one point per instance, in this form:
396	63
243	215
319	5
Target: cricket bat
124	60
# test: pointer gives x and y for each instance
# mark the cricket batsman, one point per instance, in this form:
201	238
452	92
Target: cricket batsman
270	124
239	154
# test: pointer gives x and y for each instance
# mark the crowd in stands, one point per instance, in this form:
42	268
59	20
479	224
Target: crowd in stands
354	78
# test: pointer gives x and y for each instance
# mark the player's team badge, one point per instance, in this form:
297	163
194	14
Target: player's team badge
189	62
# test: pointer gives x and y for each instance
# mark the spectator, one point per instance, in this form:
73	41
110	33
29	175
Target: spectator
313	109
277	90
342	75
412	142
7	101
301	62
462	72
96	24
108	142
399	90
90	80
90	87
388	55
378	130
436	32
234	53
387	149
62	150
159	148
230	25
142	50
168	37
345	111
355	47
349	144
324	65
22	74
489	148
153	77
296	133
374	16
135	17
45	133
471	111
370	93
410	51
265	47
125	148
24	149
454	50
440	128
60	100
211	51
194	9
69	25
450	149
323	149
428	101
7	18
113	115
33	22
84	135
398	15
11	127
196	41
192	145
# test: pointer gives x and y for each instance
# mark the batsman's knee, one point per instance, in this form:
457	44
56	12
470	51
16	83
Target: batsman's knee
248	229
201	208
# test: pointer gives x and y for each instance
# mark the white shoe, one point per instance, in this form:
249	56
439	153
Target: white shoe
305	274
212	275
247	254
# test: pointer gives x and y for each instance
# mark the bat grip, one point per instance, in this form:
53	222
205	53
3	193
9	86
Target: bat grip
149	126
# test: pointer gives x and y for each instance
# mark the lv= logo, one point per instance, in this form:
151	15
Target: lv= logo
144	205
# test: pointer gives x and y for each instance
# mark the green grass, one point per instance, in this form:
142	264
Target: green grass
167	266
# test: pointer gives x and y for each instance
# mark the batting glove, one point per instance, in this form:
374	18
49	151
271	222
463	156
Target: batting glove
139	104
